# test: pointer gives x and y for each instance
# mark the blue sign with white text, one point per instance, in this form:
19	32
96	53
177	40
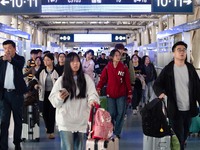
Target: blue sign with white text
66	38
118	37
95	6
172	6
20	6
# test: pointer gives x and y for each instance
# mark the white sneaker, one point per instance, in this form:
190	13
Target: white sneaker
125	116
134	112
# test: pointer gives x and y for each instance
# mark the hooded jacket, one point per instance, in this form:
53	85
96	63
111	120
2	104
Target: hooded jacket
117	80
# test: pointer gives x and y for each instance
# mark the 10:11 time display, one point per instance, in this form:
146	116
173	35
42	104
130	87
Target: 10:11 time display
164	3
20	3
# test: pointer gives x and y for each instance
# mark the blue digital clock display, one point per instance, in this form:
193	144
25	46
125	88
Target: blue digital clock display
20	6
172	6
95	6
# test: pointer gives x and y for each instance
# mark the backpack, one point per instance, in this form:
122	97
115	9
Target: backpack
154	121
32	95
103	127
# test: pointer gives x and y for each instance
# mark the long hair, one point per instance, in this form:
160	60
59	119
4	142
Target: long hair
68	78
144	58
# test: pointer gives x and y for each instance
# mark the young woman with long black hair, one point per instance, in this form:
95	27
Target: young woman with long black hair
72	95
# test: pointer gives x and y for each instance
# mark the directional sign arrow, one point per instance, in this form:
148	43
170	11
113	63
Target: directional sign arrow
188	2
4	2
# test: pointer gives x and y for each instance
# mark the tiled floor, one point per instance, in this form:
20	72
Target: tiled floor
131	139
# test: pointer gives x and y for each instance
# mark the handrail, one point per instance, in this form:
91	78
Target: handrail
157	67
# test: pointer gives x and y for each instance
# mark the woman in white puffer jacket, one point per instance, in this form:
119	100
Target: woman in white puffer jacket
72	95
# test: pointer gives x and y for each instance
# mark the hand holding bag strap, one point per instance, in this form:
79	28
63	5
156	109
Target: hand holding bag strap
91	119
175	145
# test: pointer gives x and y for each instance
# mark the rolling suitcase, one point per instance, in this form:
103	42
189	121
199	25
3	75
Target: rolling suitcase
30	125
163	143
147	142
153	143
94	144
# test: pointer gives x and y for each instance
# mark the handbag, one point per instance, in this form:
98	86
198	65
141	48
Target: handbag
31	97
175	144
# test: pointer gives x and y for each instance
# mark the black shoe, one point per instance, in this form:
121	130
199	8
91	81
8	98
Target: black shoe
17	147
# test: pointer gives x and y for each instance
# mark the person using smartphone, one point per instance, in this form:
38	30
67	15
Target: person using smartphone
72	95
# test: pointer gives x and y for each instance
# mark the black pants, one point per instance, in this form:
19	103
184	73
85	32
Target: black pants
48	113
12	101
137	94
181	126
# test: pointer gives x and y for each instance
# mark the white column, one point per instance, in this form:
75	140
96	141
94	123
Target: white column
6	20
160	26
170	22
180	19
40	37
44	39
21	26
14	23
153	34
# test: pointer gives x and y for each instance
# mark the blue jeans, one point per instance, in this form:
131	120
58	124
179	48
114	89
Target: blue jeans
117	107
72	141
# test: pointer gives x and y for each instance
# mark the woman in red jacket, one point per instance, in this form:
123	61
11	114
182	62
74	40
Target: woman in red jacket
117	78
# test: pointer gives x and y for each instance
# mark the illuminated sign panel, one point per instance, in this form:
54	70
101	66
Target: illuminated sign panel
118	37
20	6
92	38
172	6
95	6
66	38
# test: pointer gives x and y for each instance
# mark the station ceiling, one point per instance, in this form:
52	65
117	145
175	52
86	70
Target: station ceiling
116	24
122	24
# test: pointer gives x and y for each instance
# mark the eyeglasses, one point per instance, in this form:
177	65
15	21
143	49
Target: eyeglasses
181	50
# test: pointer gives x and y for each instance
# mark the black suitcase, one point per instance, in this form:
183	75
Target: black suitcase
31	123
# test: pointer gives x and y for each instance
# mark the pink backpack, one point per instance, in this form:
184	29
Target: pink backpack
102	127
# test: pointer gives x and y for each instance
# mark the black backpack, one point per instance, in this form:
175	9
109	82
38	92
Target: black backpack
154	121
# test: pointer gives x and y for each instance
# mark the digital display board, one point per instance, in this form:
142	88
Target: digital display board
118	37
66	38
20	6
92	38
172	6
95	6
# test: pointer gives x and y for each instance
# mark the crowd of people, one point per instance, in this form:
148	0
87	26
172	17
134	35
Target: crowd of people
67	90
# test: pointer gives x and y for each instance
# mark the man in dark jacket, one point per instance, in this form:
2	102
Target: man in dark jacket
180	83
12	88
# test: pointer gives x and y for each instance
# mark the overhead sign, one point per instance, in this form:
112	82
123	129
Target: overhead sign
172	6
118	37
12	31
95	6
92	38
20	6
66	38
